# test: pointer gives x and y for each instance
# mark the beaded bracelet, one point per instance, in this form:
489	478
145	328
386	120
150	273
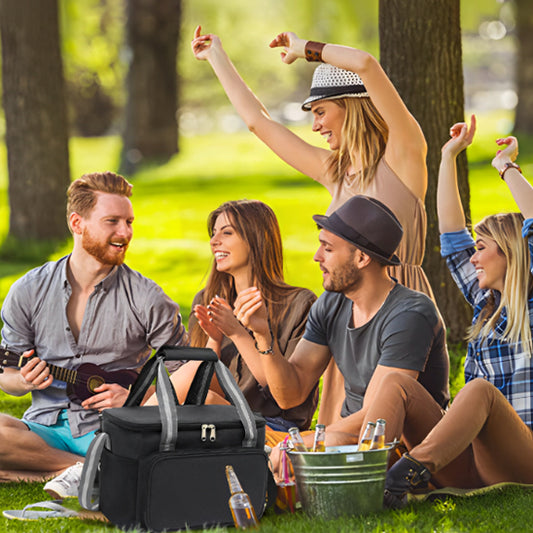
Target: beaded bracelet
270	349
313	51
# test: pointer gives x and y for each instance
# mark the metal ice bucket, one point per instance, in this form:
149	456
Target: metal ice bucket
340	481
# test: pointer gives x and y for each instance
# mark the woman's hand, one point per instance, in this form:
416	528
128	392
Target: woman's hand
204	320
508	154
221	315
461	137
203	44
251	311
293	47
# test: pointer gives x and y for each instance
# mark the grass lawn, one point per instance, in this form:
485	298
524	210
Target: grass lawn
170	245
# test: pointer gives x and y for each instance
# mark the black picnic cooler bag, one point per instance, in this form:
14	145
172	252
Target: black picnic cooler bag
163	467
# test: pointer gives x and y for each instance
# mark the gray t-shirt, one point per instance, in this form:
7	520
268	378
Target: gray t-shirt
125	317
407	332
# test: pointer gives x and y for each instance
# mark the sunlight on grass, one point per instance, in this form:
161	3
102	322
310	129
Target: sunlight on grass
170	245
172	201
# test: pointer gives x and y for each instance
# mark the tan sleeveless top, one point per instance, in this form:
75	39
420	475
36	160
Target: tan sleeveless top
411	212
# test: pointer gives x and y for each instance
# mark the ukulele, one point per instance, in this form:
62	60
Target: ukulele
80	382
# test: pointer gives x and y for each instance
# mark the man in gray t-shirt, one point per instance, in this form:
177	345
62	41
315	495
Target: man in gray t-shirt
406	333
87	308
366	321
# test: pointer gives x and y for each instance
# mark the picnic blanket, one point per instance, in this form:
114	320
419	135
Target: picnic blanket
453	491
27	475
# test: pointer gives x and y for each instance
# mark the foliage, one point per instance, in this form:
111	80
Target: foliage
94	58
256	24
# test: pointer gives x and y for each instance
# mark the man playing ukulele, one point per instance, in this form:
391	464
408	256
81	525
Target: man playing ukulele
87	307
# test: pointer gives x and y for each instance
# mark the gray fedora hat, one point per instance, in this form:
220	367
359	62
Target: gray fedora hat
368	224
331	82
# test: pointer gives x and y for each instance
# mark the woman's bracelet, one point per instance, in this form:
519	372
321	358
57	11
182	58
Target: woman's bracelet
507	166
313	51
270	349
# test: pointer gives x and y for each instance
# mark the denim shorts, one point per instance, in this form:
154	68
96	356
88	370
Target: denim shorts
59	436
277	423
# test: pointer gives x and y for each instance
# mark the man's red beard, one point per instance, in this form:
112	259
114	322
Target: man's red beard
106	253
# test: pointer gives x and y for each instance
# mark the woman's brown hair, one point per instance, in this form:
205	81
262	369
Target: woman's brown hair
257	225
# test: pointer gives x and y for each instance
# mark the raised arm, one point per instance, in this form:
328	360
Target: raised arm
301	155
520	188
449	207
406	146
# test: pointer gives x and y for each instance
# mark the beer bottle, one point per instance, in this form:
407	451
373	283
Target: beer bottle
286	493
320	436
366	441
240	505
297	441
378	440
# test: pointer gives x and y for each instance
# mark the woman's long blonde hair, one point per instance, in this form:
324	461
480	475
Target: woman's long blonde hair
257	225
505	230
365	133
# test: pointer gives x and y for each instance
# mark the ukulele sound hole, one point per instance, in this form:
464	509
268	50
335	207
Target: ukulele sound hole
94	381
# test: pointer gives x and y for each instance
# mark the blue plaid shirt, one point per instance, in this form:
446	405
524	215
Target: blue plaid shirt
506	365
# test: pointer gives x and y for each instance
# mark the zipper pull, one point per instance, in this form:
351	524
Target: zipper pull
204	432
213	434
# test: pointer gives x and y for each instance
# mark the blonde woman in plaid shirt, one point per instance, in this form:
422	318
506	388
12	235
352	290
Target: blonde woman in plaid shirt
486	435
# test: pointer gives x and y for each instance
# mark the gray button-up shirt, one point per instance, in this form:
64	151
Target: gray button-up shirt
126	317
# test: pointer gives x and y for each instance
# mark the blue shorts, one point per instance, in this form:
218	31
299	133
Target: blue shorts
59	436
277	423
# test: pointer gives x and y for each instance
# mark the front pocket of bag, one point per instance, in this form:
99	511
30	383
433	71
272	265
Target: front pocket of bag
189	489
118	489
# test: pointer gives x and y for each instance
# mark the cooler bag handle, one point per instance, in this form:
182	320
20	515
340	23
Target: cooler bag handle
200	384
168	401
200	387
149	370
89	495
235	396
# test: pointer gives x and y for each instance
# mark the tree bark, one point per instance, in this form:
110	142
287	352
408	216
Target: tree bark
420	44
524	67
151	128
36	119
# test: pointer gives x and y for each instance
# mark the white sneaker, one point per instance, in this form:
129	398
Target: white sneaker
66	484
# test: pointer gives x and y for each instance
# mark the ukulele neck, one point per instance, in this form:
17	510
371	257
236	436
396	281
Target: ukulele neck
62	374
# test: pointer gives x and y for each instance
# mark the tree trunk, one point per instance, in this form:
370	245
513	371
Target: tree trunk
36	119
524	66
420	43
151	129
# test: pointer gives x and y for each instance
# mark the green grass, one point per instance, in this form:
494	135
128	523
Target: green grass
170	245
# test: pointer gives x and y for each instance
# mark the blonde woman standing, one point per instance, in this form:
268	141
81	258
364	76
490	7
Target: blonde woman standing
376	147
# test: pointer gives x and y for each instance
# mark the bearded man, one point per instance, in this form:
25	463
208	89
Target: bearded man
369	323
87	308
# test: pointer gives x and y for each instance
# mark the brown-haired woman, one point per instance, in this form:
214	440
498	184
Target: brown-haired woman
247	275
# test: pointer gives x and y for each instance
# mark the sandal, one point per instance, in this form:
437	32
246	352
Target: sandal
49	509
